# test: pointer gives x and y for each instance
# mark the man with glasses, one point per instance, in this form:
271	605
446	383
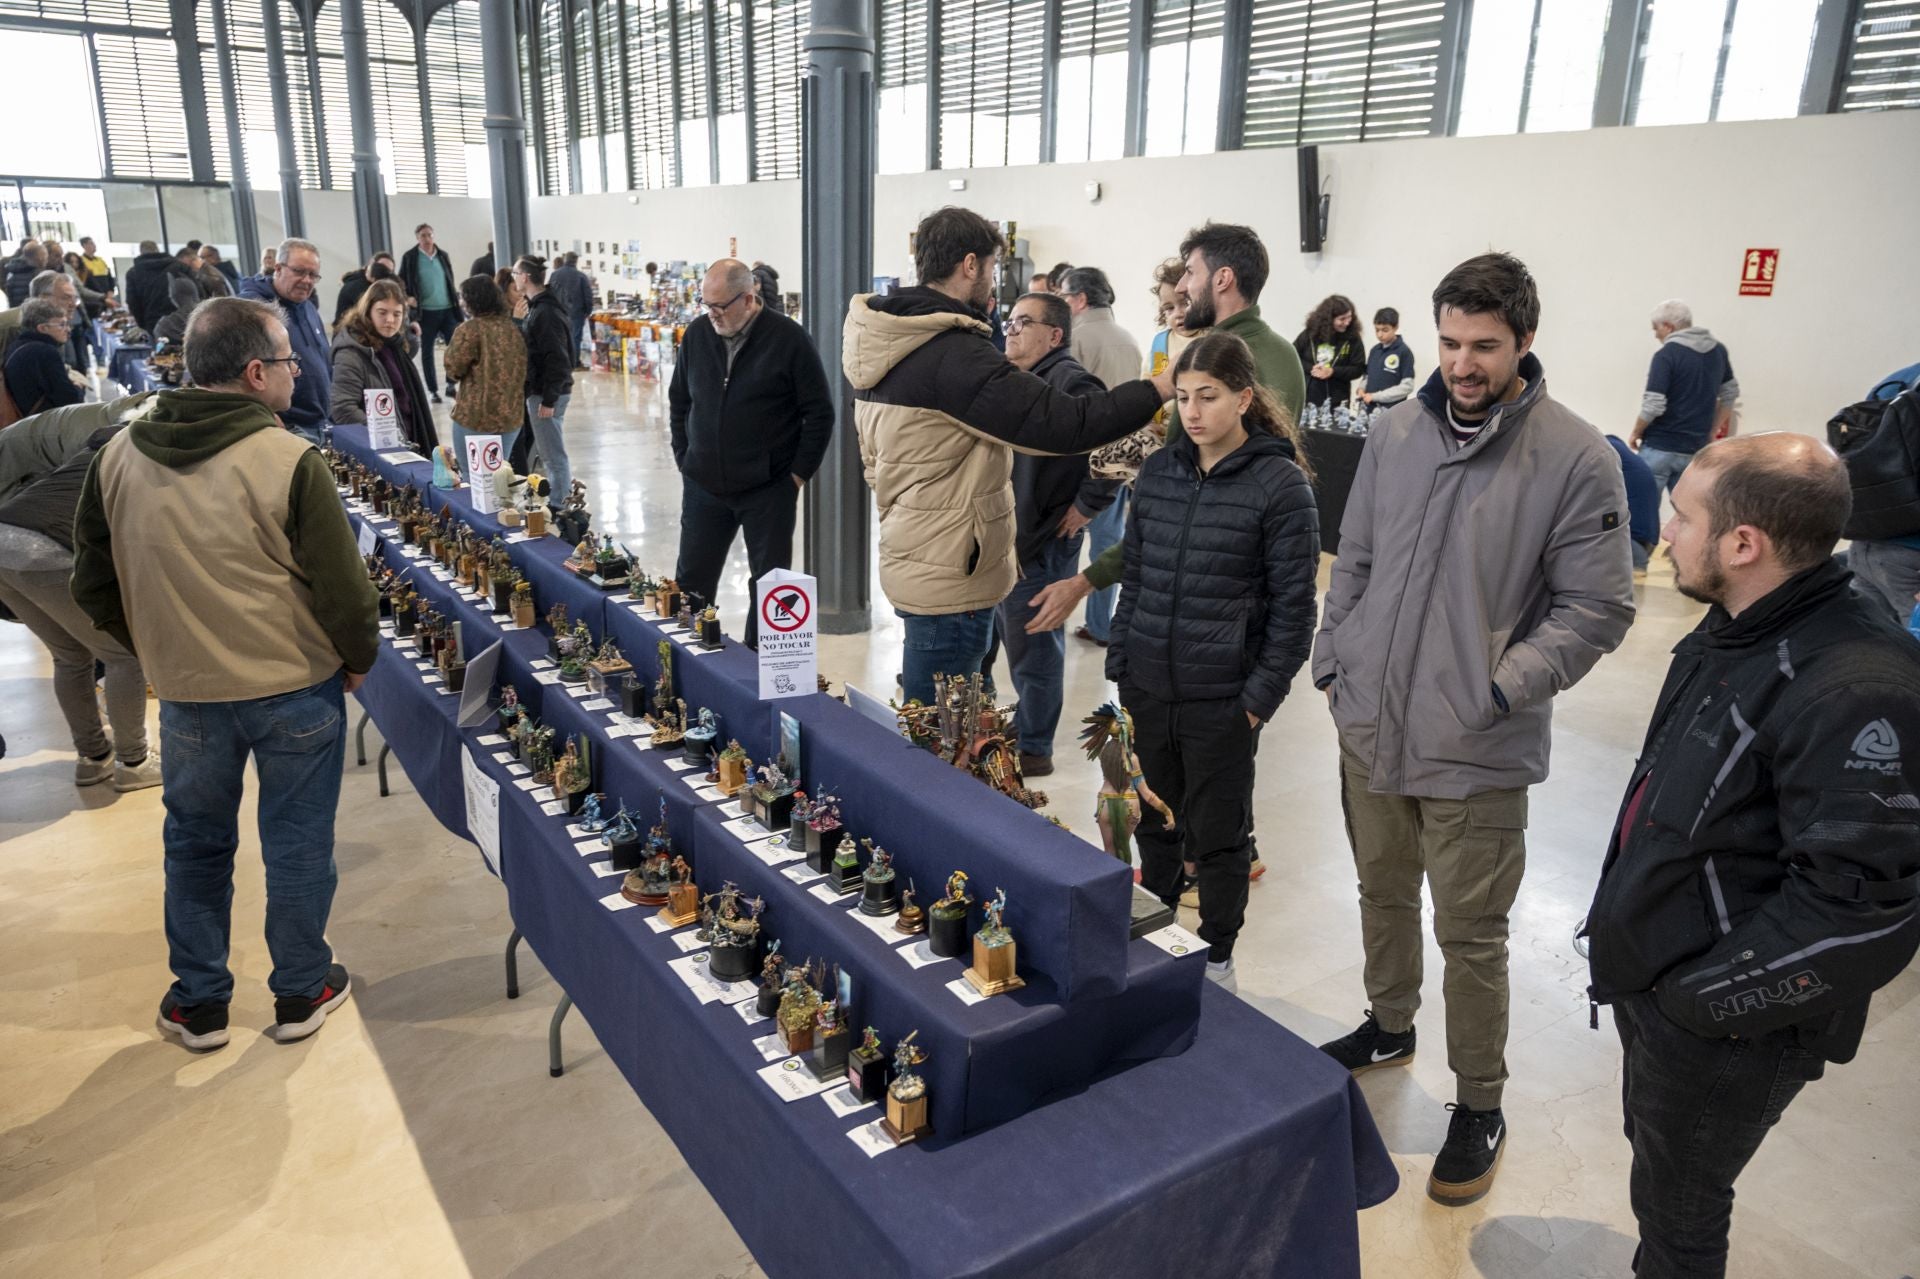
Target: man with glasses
289	287
36	369
252	628
751	416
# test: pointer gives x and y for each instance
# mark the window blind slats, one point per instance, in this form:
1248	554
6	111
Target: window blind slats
1883	64
780	63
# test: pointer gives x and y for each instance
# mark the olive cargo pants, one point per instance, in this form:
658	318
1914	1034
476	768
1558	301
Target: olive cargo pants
1472	852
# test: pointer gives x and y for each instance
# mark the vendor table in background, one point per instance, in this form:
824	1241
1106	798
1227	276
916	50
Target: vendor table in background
1336	459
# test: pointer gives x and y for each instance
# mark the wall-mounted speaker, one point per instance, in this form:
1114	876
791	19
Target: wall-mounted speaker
1312	211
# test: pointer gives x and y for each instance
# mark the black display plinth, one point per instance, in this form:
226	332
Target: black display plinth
734	963
947	933
821	846
866	1075
627	853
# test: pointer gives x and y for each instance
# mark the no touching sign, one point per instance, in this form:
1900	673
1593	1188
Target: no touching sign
788	659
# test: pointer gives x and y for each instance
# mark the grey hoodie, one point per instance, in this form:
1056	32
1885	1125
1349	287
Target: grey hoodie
1500	564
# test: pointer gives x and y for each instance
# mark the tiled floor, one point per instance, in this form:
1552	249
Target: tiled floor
419	1134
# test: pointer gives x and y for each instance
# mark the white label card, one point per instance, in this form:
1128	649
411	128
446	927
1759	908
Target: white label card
802	875
771	1047
616	902
1175	940
681	764
518	769
688	942
749	1010
963	991
792	1081
920	954
558	808
824	892
772	854
843	1103
872	1139
692	969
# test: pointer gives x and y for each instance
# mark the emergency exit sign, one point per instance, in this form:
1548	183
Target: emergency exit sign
1757	270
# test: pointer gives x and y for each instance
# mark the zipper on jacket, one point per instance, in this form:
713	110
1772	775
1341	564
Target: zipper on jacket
1179	578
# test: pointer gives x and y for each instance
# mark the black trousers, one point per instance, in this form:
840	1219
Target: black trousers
1696	1111
435	325
708	522
1198	757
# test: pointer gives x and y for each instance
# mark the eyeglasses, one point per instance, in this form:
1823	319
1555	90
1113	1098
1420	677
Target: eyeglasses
298	273
716	307
1021	323
294	360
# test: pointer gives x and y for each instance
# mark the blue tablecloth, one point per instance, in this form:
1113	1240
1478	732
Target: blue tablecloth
1249	1153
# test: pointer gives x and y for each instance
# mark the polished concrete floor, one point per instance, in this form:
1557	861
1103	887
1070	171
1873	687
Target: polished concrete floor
419	1134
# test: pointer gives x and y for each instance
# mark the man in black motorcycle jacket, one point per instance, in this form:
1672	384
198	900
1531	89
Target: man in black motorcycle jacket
1761	881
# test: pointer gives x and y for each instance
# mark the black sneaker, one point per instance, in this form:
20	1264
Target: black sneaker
1370	1047
202	1028
1464	1169
300	1016
1036	765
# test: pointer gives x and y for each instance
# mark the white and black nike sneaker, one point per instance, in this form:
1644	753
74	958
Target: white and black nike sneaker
1463	1171
1370	1047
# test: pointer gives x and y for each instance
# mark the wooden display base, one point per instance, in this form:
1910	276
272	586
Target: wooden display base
906	1121
798	1041
537	522
992	972
683	905
733	776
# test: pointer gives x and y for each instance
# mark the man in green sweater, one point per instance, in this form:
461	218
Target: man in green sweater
210	541
1226	269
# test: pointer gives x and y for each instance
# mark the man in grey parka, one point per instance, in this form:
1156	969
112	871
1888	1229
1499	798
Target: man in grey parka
1484	566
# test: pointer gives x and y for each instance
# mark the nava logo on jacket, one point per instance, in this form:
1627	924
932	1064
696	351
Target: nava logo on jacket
1876	749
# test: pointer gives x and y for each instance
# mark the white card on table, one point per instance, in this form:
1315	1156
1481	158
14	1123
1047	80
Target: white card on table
525	783
792	1081
749	1010
825	893
542	663
518	770
843	1103
681	764
880	926
689	942
872	1139
658	923
802	875
920	954
588	847
597	704
692	969
548	678
616	902
605	870
963	991
1175	940
558	808
772	853
772	1047
502	757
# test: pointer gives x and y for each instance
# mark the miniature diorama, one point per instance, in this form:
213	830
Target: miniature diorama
913	920
843	872
573	519
906	1117
522	735
732	933
540	756
640	587
880	885
707	629
510	708
406	609
1108	738
772	978
651	882
832	1038
633	695
558	629
608	662
668	714
573	773
611	566
683	895
523	604
947	919
592	818
799	1001
770	801
730	769
666	600
993	951
576	650
797	816
968	731
824	832
700	736
867	1068
622	835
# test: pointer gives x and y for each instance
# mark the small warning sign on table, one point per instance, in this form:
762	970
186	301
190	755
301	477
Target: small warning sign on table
788	634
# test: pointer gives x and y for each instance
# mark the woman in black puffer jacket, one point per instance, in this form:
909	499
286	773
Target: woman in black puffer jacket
1216	615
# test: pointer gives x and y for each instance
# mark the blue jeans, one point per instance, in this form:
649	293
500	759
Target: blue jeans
460	434
1038	662
1666	467
550	446
941	644
298	742
1107	528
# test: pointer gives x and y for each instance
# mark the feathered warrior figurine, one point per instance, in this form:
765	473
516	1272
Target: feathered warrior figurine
1108	737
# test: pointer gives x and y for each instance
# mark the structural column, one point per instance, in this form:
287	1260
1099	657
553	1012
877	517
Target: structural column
836	197
369	191
193	92
246	224
506	131
293	217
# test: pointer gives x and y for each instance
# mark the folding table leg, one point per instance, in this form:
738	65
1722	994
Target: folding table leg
360	738
513	966
554	1067
381	763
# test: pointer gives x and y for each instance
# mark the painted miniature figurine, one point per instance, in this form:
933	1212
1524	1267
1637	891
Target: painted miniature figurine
993	971
1108	738
591	820
906	1117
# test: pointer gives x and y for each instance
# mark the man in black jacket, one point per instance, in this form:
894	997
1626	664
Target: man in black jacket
575	291
1054	499
148	296
751	417
1760	884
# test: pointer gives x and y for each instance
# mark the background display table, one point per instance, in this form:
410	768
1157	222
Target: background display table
1336	458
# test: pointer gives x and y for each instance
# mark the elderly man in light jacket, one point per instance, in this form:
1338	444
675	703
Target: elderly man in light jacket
1107	350
1497	521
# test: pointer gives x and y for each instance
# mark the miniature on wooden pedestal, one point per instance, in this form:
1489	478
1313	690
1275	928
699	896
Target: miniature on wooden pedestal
993	952
683	895
732	769
906	1117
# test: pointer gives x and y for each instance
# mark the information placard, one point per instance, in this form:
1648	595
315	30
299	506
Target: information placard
788	634
484	459
383	422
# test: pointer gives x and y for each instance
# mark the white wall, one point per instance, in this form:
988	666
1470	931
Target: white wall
461	225
1611	221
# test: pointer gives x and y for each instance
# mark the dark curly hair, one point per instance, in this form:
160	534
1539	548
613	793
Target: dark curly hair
1320	319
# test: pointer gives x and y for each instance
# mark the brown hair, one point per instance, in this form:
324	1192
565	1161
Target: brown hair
359	321
1493	282
1319	324
1802	507
1229	361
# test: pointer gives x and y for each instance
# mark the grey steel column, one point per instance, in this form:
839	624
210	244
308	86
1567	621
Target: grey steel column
369	192
836	202
1139	17
1049	77
425	91
1448	62
1826	65
246	225
1619	53
293	217
506	131
193	89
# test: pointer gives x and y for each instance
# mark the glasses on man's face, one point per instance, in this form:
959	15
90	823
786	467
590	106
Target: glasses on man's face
715	308
292	360
299	272
1021	323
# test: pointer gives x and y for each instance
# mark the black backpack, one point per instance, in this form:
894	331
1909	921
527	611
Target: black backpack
1879	440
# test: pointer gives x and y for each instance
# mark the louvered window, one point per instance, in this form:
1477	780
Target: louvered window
1341	70
614	97
151	15
1184	48
990	71
779	63
730	90
902	69
696	148
457	82
556	167
650	93
145	125
586	91
1090	78
1883	65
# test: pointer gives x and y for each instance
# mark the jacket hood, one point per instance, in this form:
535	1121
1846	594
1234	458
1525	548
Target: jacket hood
1259	444
344	340
184	427
882	331
153	259
1694	339
1433	396
185	294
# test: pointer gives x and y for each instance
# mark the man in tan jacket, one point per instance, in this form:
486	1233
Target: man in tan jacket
940	414
210	541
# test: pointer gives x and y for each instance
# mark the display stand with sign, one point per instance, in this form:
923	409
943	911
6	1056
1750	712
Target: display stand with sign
383	422
485	458
789	637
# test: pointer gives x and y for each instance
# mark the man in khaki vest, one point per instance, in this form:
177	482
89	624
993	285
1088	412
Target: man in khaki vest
210	541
